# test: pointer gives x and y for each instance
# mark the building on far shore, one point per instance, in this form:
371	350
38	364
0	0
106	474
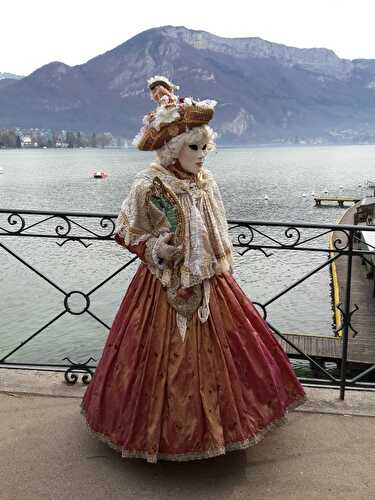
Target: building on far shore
26	142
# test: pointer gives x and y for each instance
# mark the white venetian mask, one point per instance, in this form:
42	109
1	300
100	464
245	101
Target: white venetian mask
192	155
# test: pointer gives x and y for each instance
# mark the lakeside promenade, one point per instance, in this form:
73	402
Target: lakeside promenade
325	451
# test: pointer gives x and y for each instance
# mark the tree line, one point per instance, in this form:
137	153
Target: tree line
15	138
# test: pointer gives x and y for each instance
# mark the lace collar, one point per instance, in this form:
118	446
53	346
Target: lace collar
177	170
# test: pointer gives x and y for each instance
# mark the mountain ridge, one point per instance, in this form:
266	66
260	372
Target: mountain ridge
265	91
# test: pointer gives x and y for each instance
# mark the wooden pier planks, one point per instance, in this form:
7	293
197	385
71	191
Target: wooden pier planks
314	345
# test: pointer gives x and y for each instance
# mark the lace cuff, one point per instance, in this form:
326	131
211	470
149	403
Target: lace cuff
151	252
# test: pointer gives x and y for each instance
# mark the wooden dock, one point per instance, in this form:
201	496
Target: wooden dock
316	346
361	349
339	199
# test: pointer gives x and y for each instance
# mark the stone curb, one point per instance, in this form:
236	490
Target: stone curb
52	384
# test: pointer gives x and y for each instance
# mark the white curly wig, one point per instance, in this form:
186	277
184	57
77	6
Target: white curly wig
168	153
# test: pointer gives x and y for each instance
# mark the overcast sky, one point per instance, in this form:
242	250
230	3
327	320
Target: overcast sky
36	32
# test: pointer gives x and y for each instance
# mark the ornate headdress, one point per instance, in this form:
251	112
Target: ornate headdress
173	116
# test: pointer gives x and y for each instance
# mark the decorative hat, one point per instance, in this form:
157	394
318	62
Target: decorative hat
173	116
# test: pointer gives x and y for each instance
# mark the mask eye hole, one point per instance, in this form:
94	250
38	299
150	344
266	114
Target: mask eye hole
194	147
204	147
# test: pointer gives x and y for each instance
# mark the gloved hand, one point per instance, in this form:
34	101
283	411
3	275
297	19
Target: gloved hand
167	251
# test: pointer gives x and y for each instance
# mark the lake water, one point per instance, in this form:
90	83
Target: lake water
60	180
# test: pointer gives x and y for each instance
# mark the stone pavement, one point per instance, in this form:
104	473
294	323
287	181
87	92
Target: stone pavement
326	451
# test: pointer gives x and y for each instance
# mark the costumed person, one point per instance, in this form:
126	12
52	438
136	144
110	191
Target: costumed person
190	369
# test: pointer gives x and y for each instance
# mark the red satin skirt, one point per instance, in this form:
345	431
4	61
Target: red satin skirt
155	396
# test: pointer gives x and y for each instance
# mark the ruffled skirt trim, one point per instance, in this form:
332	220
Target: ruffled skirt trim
184	457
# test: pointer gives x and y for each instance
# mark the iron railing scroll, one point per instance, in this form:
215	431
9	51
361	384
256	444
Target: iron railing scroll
266	237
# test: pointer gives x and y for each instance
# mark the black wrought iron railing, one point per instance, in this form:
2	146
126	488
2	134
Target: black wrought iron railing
338	241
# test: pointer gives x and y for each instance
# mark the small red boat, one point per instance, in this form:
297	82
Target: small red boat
99	174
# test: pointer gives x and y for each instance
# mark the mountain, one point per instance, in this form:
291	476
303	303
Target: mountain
265	91
10	75
7	79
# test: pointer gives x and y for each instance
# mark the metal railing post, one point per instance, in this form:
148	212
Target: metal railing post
346	317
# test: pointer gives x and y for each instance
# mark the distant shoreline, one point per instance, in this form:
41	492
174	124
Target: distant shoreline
219	146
